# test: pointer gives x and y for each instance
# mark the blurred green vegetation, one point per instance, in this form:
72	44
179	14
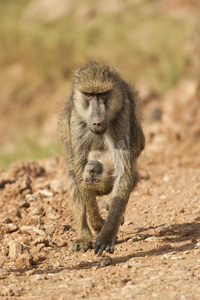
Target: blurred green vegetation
29	151
150	46
144	42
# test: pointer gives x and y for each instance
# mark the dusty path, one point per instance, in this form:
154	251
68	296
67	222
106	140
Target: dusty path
158	251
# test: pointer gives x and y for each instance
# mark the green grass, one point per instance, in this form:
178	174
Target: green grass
29	151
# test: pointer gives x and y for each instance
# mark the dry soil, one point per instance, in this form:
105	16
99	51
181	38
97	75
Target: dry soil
157	255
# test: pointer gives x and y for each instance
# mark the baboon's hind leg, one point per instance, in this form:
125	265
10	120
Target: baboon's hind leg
85	240
95	218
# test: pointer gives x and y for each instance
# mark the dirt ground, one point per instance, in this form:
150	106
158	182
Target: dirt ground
157	255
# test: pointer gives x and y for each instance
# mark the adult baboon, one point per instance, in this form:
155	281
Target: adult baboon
102	114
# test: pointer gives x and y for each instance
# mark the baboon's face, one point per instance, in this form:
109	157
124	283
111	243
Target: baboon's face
93	172
98	109
97	117
97	96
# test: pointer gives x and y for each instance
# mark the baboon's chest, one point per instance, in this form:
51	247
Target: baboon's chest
98	143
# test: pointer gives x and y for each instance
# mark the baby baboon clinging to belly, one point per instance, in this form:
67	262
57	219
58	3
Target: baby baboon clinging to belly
99	173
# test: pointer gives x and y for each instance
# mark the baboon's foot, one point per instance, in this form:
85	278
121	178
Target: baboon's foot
82	245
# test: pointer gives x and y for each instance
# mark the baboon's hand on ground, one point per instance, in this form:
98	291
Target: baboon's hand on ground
104	242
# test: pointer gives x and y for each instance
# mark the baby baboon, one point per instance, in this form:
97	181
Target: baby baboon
99	173
102	114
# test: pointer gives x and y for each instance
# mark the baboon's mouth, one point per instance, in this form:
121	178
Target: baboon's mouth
99	132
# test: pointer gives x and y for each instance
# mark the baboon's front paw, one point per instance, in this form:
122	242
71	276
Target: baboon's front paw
104	243
82	245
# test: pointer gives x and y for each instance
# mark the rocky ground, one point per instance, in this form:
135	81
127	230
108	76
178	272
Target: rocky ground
157	255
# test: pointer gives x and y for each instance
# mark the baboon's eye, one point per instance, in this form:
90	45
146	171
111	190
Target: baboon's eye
104	94
96	180
89	95
88	180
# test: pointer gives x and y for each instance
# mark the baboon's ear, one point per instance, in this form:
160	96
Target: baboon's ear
76	74
112	70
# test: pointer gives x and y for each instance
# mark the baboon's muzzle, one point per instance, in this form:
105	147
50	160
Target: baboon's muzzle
98	122
98	127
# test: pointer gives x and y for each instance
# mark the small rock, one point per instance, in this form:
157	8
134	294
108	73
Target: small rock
16	249
38	258
9	228
37	277
25	204
30	272
3	273
197	244
46	193
24	261
67	258
8	221
128	265
41	240
135	194
106	261
53	215
177	257
166	178
30	198
31	229
62	243
123	282
151	239
128	223
41	246
166	256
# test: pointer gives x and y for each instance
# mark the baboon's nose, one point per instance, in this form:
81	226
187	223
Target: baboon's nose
98	124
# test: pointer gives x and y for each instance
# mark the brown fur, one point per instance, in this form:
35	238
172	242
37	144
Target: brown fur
109	124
